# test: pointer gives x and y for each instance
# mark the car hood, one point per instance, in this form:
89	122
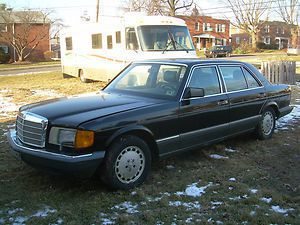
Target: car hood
71	112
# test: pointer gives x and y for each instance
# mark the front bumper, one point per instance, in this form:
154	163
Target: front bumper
79	165
284	111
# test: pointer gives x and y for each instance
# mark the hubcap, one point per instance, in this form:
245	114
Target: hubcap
130	164
267	123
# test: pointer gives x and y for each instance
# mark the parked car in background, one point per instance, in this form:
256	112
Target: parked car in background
218	50
152	109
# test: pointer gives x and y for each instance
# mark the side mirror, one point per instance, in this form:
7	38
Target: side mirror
191	92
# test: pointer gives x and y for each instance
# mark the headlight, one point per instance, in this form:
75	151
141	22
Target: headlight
71	137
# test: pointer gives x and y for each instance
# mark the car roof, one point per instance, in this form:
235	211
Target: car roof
190	61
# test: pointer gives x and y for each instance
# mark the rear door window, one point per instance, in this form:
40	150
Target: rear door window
206	78
234	78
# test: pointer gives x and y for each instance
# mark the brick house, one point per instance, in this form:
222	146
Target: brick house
207	31
273	33
36	31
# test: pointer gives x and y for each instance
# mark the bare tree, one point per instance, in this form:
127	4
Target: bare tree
175	5
248	16
159	7
289	12
20	30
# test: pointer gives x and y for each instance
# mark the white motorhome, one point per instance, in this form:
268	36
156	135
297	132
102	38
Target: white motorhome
98	51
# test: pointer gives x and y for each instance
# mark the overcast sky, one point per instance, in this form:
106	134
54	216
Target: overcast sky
71	10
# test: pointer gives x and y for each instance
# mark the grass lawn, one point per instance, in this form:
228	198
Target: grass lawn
256	182
27	64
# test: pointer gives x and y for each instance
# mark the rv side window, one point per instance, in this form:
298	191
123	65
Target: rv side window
97	41
109	42
69	45
131	40
118	37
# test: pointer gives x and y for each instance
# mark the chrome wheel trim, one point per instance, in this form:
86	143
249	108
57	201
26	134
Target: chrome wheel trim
267	123
130	164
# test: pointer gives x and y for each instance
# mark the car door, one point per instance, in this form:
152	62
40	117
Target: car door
204	119
246	97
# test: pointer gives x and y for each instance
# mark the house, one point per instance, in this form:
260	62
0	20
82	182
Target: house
27	30
274	34
207	31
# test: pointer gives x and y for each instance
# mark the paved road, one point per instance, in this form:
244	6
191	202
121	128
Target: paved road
23	71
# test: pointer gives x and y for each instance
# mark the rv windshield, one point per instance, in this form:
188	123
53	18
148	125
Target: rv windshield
164	38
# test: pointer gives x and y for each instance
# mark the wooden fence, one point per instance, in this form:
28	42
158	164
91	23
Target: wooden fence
279	71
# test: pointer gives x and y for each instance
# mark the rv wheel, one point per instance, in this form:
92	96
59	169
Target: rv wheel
82	76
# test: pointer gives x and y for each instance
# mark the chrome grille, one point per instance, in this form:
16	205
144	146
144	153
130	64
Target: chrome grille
31	129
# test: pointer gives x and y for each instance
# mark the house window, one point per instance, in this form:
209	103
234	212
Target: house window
3	28
237	40
109	42
69	44
267	40
4	48
197	26
96	41
206	27
277	30
282	30
267	29
118	37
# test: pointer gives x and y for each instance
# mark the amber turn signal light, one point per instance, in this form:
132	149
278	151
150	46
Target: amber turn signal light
84	139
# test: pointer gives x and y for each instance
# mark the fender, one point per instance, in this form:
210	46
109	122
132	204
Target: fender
272	104
132	128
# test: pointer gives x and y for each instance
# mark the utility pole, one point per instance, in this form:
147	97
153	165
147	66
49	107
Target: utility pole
97	11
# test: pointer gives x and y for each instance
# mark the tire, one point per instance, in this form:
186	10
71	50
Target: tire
67	75
82	77
266	126
127	163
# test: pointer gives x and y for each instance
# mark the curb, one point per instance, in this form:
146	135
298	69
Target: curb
30	67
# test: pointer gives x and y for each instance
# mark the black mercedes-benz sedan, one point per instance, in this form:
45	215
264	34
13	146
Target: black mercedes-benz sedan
151	109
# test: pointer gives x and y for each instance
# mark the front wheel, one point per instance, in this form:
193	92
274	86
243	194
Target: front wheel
82	77
127	163
266	126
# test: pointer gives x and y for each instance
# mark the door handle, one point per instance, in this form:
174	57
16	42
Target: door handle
223	102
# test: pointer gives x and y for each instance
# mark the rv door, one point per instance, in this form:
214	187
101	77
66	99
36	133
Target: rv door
131	39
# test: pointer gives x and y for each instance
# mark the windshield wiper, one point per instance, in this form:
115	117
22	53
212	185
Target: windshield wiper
169	42
176	42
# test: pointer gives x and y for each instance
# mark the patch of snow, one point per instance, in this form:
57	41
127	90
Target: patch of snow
238	198
170	167
105	220
2	221
230	150
252	213
230	188
13	211
58	222
44	212
232	179
7	107
216	156
188	205
276	208
189	220
193	191
160	223
49	93
216	203
133	193
288	119
19	220
266	200
253	191
127	206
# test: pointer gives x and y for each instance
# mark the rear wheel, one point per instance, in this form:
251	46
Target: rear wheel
266	126
127	163
82	76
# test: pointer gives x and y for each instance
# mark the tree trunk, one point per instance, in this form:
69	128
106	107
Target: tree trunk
254	40
294	36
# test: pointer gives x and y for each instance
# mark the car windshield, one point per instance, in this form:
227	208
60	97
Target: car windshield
149	80
162	37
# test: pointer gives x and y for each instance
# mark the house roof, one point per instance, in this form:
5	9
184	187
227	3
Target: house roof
33	17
